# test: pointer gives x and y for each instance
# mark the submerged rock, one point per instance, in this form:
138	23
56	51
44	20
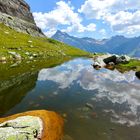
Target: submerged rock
33	125
90	106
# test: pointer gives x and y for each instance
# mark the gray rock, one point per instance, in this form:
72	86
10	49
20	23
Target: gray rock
17	15
22	128
122	59
116	59
15	55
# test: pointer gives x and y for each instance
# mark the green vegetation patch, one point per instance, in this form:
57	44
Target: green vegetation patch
29	47
132	65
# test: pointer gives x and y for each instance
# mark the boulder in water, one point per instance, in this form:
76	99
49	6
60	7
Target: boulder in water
138	74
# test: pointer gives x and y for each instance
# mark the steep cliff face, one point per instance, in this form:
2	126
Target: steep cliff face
17	15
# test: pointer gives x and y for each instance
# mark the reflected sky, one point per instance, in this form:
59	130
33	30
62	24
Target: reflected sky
121	90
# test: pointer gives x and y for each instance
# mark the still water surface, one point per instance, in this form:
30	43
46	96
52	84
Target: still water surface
96	105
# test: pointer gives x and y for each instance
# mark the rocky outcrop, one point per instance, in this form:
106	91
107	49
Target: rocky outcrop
17	15
33	125
109	61
117	59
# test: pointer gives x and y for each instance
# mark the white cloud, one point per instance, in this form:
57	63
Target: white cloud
50	32
80	28
63	14
102	32
125	22
122	15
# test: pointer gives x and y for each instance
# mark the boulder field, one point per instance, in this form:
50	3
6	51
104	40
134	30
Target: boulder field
32	125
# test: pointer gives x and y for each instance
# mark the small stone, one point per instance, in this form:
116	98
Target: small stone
2	59
30	41
90	106
64	115
6	32
35	55
31	46
14	65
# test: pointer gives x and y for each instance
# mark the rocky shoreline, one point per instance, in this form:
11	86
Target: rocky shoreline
114	61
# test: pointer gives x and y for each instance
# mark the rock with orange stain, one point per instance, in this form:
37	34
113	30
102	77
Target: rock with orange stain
49	126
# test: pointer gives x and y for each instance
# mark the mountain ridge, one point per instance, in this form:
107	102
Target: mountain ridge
117	44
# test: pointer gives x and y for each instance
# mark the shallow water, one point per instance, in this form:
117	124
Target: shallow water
96	105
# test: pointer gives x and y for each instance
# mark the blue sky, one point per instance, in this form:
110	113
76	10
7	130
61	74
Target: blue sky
92	18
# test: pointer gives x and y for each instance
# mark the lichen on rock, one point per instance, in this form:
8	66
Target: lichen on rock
22	128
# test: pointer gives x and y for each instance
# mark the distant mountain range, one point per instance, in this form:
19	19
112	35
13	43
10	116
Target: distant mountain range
116	45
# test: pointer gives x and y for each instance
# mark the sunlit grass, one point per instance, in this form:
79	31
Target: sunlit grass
11	40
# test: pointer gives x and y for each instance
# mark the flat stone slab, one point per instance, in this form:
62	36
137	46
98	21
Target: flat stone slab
22	128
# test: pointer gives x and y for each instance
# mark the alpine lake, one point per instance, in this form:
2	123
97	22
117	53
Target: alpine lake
95	104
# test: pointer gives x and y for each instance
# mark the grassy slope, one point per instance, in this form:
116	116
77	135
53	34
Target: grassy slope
11	40
132	65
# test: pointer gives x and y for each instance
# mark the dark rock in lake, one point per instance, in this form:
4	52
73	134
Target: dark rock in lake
110	59
138	74
116	59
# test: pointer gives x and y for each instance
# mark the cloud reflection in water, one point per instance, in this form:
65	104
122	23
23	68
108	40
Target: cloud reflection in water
113	86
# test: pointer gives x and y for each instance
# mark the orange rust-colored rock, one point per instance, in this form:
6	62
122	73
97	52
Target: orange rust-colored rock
52	123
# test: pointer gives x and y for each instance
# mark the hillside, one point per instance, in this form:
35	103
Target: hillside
14	44
117	44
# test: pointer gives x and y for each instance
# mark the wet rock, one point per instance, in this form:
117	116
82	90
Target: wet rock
29	125
138	74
